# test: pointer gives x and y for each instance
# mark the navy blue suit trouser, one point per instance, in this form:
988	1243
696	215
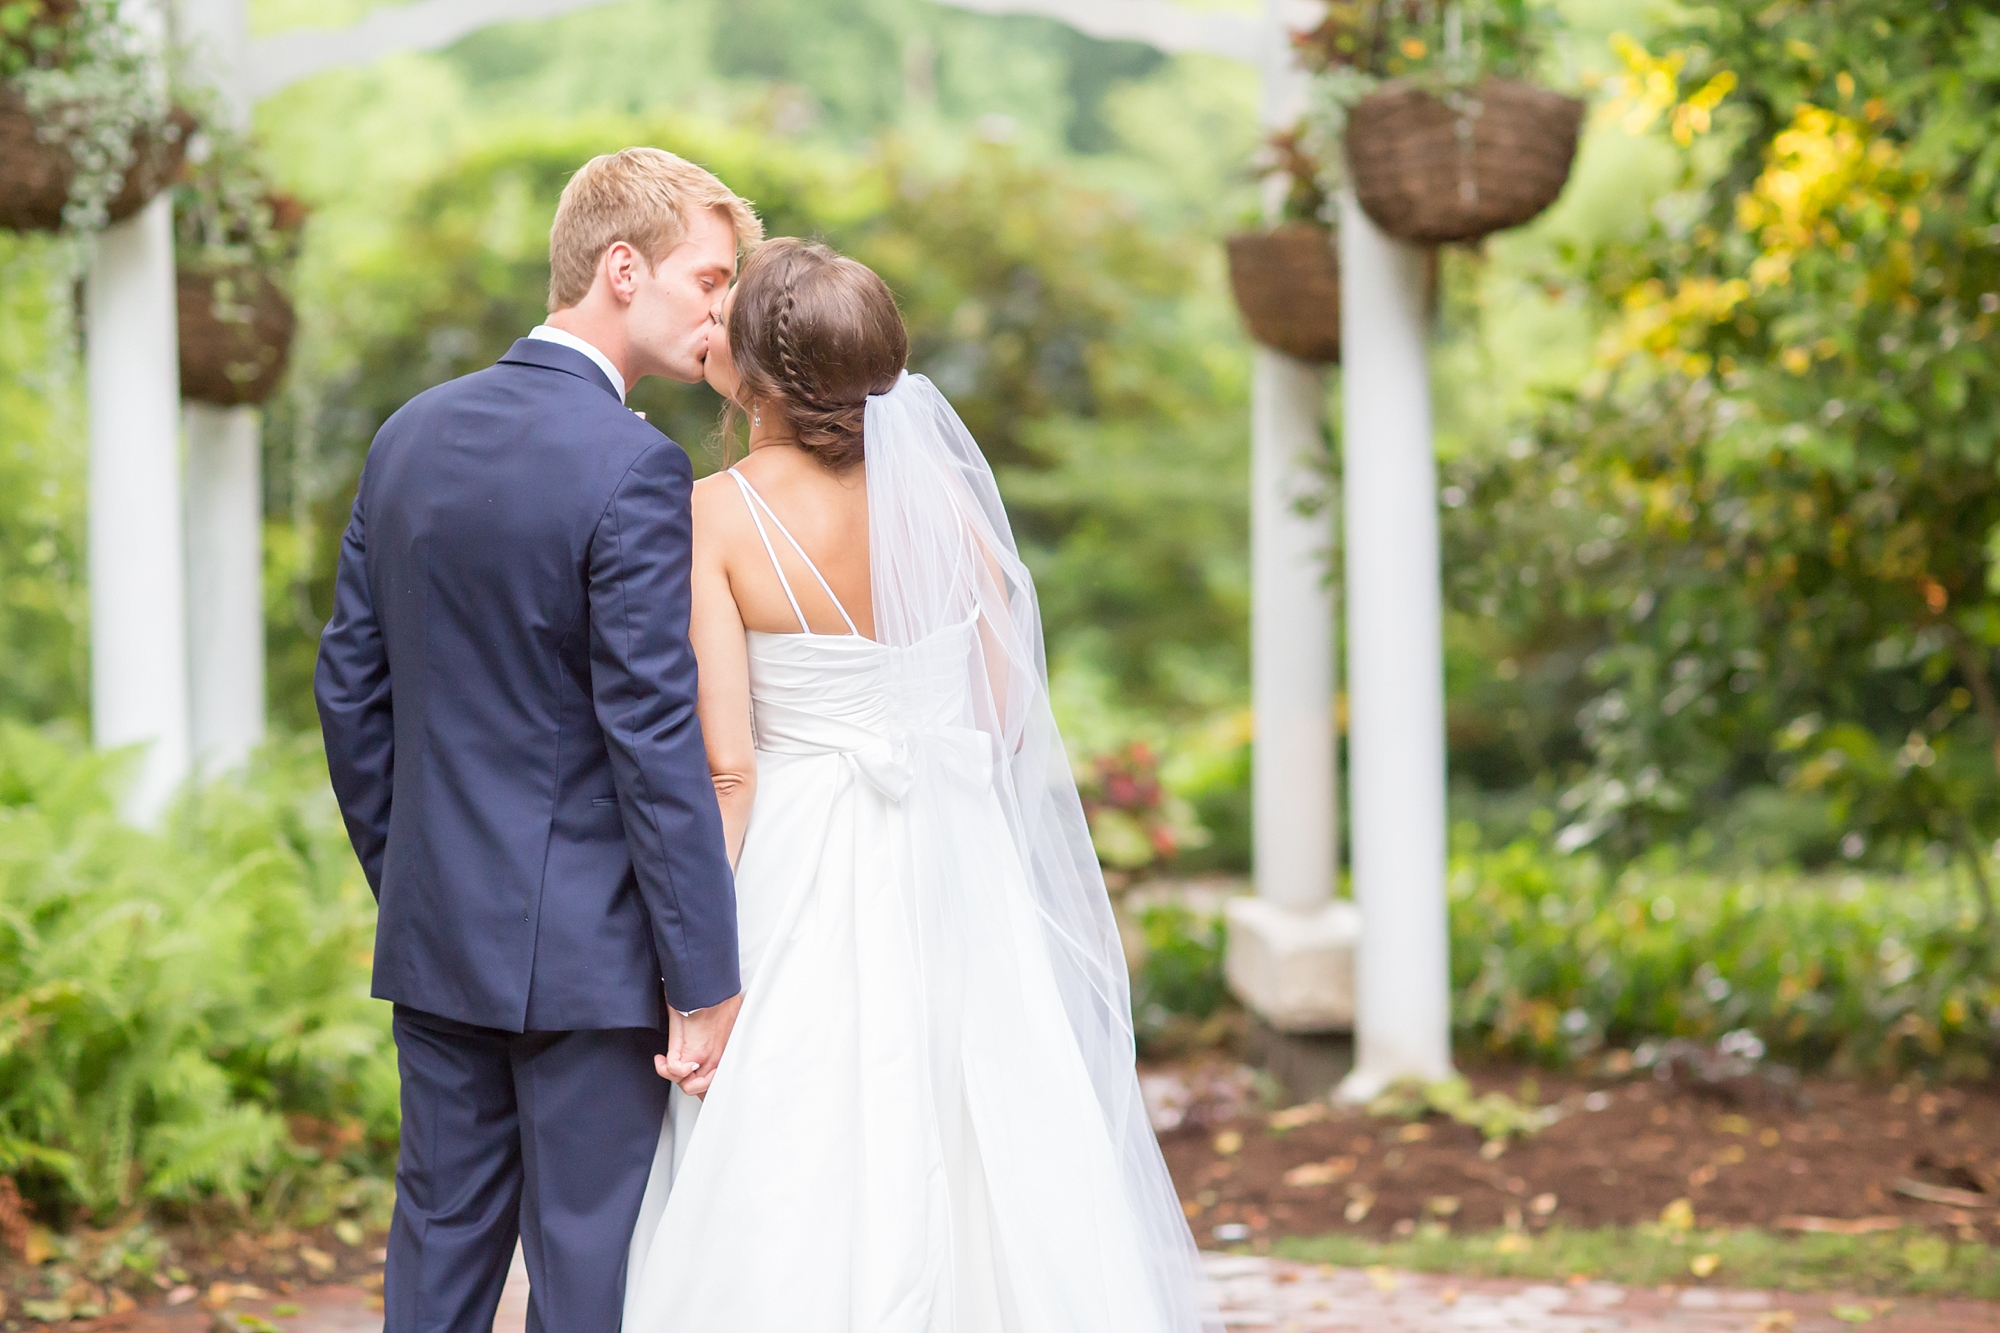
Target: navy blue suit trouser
544	1136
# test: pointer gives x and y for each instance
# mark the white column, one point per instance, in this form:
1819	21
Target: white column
225	543
1291	638
225	509
215	35
1291	948
138	618
1395	656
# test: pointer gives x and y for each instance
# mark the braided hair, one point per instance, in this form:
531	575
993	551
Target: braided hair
814	333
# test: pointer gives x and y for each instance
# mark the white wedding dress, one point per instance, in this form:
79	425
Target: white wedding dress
915	1127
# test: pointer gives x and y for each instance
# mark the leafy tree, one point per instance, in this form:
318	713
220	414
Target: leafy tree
1779	500
42	609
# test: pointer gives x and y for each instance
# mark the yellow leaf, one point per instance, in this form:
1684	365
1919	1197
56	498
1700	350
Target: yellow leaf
1703	1265
1293	1117
1228	1143
41	1247
1678	1215
1319	1173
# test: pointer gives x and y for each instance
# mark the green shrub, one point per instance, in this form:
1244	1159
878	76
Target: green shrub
1553	957
185	1016
1181	976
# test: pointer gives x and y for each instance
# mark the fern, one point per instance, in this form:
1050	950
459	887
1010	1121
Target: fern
171	998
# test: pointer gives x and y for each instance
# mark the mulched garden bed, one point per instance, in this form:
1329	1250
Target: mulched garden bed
1769	1152
88	1275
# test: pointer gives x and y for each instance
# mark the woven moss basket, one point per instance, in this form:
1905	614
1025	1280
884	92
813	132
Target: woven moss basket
1287	284
236	328
35	175
1432	171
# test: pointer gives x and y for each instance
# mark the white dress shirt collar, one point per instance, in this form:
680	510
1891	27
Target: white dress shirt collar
550	334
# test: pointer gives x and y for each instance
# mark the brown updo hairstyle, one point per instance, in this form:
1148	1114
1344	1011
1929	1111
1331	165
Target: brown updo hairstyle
814	333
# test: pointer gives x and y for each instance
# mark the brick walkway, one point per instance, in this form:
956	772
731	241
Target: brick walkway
1271	1294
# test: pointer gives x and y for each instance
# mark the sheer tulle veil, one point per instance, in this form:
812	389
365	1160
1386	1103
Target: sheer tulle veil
941	553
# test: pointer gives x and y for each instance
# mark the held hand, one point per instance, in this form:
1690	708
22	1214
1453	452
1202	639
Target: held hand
694	1045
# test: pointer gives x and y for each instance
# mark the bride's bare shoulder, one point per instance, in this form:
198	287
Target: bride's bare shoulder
718	506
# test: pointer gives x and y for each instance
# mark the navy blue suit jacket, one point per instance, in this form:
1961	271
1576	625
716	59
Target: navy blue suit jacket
508	699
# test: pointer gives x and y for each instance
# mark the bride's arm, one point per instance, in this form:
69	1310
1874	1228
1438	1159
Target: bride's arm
715	627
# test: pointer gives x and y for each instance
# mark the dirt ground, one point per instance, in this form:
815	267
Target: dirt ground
1813	1155
88	1274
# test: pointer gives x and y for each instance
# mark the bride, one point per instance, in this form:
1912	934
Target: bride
927	1119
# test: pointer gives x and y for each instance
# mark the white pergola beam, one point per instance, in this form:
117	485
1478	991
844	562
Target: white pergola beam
277	62
1157	23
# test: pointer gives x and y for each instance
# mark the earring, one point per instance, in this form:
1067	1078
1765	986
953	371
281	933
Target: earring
756	419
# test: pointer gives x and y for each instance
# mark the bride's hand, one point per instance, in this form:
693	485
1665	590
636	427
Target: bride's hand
694	1045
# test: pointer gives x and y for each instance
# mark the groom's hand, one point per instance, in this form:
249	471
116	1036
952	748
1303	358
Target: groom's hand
694	1045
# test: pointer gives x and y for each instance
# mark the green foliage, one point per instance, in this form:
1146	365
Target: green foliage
1764	529
33	34
1556	957
1182	972
228	212
1451	43
42	609
1494	1114
1650	1256
186	1016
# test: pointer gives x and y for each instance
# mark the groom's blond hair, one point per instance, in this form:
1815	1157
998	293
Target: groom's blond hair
644	197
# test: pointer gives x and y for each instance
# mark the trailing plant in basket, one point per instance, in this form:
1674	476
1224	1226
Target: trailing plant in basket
93	85
1445	47
227	212
236	239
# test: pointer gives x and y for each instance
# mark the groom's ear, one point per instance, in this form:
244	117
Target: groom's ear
619	269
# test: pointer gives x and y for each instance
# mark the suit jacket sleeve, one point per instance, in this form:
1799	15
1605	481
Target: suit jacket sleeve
356	704
643	678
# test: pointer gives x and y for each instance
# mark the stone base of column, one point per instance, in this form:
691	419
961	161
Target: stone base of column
1294	969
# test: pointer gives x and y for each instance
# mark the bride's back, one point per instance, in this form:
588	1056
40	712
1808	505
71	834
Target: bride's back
825	512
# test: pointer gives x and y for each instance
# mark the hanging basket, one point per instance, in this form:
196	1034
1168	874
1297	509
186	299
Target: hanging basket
1287	283
1432	170
236	327
35	175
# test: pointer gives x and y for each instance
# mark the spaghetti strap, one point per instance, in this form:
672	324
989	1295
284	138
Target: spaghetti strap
776	568
756	502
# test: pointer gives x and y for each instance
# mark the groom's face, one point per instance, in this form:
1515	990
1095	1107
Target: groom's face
673	306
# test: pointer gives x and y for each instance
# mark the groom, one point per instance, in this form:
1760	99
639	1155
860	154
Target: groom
508	700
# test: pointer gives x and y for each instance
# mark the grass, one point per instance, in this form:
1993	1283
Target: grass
1901	1263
